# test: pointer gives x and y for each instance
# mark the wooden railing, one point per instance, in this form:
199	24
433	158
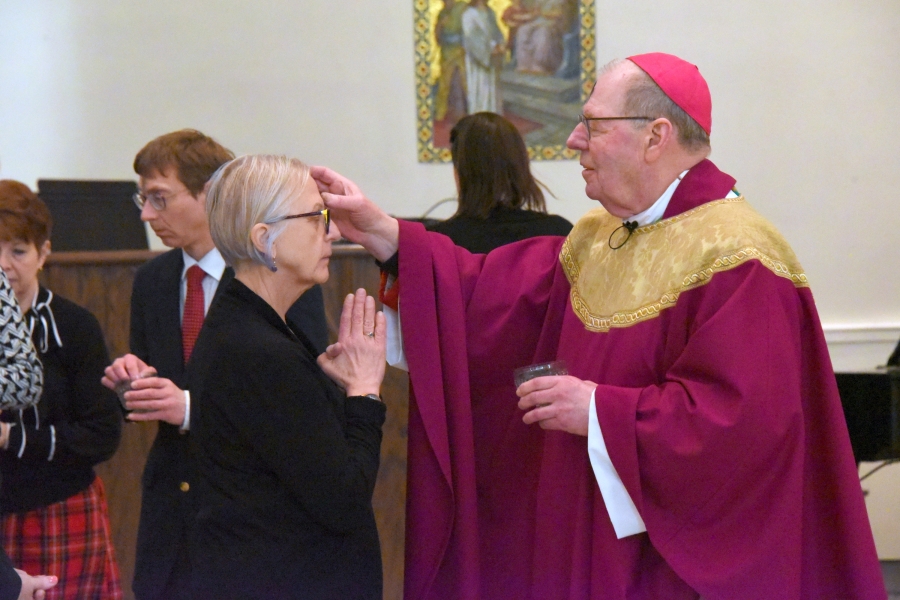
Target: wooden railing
101	282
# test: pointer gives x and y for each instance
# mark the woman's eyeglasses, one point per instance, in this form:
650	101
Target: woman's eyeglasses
324	212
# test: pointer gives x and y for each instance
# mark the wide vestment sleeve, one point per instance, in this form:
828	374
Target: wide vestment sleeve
738	456
456	307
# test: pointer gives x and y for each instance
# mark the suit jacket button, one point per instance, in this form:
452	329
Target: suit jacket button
185	486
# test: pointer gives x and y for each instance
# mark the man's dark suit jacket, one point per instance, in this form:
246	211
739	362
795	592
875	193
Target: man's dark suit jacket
166	512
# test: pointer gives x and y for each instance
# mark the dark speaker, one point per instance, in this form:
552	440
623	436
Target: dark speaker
93	215
870	402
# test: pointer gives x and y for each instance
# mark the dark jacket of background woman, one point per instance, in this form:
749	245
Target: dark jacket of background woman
76	424
286	463
503	226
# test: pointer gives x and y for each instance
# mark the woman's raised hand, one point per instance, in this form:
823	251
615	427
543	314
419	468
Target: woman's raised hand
356	362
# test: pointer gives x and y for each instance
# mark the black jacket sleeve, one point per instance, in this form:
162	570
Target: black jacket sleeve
308	315
10	583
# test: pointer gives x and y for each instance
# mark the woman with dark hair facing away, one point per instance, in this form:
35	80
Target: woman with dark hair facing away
500	202
53	513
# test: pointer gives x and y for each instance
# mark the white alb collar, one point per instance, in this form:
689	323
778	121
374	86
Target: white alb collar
658	208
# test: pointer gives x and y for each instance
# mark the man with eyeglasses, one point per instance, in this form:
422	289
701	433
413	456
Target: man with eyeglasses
697	447
170	297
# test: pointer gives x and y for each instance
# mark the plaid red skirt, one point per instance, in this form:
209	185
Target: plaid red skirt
69	539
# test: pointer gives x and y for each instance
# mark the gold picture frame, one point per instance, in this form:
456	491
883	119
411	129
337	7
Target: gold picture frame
535	65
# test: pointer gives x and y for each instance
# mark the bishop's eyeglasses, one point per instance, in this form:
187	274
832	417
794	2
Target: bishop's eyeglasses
586	121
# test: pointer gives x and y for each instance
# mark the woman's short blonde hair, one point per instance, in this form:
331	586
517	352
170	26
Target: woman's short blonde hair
249	190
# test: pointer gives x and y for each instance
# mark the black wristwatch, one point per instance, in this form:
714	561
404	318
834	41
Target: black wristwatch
374	397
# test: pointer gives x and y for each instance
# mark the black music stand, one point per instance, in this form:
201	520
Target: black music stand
871	402
93	215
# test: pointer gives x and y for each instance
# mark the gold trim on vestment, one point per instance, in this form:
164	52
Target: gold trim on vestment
619	288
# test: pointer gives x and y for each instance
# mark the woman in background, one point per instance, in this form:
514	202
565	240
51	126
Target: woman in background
500	202
286	443
53	506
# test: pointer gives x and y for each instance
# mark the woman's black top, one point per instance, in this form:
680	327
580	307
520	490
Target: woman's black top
76	424
286	464
503	226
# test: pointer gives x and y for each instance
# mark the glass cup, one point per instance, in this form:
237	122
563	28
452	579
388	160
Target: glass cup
125	386
556	367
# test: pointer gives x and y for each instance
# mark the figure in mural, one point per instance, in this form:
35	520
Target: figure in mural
516	15
468	61
541	25
485	49
451	84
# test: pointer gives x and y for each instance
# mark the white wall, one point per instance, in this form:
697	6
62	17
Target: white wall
805	105
805	110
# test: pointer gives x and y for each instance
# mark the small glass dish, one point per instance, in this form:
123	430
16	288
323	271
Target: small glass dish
523	374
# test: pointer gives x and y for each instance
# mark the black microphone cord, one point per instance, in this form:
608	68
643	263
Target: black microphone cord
629	226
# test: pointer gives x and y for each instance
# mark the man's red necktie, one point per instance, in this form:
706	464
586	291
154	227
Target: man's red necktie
193	310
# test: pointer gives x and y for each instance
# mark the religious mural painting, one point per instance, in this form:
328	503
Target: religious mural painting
532	61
